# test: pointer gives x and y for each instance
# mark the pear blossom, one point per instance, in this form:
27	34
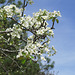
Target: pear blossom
47	49
19	53
43	58
38	42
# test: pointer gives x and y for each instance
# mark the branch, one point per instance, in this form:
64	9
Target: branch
31	30
6	3
11	59
7	42
24	6
15	20
24	40
6	50
1	32
23	26
44	42
41	24
53	23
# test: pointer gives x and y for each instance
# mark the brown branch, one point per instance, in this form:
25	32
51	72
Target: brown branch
31	30
53	23
15	20
44	42
42	24
24	5
24	27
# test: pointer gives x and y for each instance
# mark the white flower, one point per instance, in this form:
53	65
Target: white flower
19	53
31	36
55	12
43	58
48	42
36	14
59	14
33	46
40	32
26	52
39	53
17	56
45	17
11	6
47	49
30	23
18	36
9	29
53	48
50	31
26	24
38	44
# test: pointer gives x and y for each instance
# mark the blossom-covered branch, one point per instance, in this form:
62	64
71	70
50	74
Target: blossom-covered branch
38	42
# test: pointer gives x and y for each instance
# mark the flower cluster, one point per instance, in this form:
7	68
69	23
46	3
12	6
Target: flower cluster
12	10
38	42
46	14
16	31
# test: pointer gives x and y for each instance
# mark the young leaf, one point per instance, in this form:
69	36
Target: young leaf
32	57
23	61
57	20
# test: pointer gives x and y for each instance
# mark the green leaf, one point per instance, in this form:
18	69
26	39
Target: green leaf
57	20
23	53
32	57
19	3
51	18
30	61
21	58
31	2
23	61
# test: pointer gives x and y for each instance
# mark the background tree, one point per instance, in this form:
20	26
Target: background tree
9	64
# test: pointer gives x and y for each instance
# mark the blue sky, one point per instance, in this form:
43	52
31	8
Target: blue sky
64	38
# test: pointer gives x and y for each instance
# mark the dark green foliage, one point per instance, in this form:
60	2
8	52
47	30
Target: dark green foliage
18	3
2	1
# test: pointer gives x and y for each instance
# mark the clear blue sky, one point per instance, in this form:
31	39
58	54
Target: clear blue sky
64	38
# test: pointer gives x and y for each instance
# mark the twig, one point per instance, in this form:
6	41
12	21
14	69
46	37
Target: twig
24	6
1	32
6	3
6	50
24	40
53	24
44	42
